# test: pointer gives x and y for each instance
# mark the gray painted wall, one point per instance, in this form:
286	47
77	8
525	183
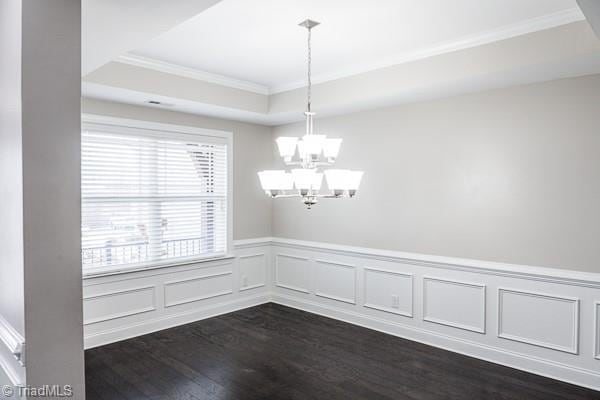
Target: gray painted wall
510	175
11	186
252	152
51	92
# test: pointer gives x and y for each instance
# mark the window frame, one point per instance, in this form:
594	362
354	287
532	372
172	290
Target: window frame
125	125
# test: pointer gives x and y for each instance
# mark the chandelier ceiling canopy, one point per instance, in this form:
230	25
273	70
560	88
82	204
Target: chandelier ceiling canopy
315	153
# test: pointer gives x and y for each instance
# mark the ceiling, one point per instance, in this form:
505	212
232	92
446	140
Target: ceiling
259	42
113	27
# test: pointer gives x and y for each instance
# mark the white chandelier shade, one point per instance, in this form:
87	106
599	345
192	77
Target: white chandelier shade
314	152
340	182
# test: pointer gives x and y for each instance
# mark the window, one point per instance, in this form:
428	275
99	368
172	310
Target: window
152	195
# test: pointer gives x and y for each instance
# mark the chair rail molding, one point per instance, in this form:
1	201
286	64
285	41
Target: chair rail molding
544	274
476	305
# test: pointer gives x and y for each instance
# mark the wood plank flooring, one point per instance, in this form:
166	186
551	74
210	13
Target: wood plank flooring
276	352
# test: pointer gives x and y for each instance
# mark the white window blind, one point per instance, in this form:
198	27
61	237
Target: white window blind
150	197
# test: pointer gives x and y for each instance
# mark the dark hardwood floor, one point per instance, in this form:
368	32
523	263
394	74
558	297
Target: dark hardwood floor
276	352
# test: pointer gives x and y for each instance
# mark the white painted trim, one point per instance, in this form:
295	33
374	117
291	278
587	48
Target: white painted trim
111	317
542	274
12	353
525	362
171	320
575	338
197	298
192	73
96	119
294	288
149	272
390	309
282	285
597	330
506	32
101	272
13	340
242	257
250	287
243	243
333	297
258	285
292	256
481	287
331	262
12	370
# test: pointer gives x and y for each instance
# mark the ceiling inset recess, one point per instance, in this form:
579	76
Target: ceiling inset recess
255	41
370	54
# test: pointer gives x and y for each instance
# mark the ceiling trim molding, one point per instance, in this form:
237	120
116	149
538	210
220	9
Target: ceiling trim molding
186	72
505	32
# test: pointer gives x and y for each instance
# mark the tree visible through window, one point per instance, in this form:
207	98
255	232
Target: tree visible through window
149	197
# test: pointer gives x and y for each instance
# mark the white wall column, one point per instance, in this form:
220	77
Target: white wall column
40	141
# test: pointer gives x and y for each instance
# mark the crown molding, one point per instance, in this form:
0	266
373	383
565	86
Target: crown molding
505	32
186	72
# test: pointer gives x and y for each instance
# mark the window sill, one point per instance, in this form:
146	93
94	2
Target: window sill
128	269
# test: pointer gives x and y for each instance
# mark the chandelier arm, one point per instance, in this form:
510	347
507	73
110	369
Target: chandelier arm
287	195
292	163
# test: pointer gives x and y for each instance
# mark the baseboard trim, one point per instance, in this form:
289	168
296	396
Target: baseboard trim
169	321
550	369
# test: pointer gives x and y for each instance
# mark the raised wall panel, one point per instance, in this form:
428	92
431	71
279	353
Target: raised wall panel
292	272
336	281
118	304
198	288
253	271
380	288
539	319
597	330
454	303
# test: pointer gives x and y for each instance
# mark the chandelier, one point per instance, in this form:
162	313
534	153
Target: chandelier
315	152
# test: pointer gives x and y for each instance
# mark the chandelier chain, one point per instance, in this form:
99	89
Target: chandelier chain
309	94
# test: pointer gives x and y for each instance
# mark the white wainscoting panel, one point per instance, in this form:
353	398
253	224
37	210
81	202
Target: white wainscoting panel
388	291
336	281
292	272
197	288
597	330
253	271
454	303
118	304
539	319
537	308
124	305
